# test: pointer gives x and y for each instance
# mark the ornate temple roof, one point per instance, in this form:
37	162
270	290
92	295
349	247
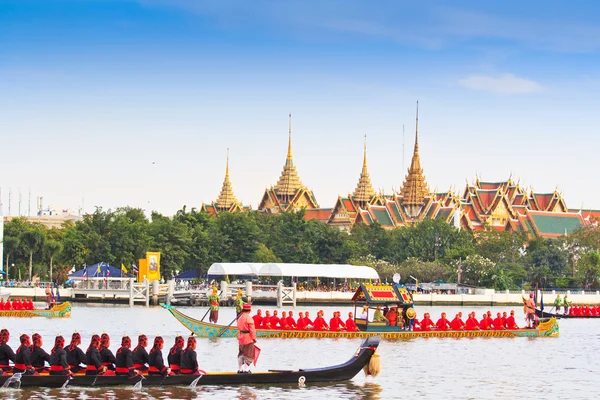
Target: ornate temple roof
289	181
415	189
226	198
364	190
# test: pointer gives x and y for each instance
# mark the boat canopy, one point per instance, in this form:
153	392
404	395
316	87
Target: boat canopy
338	271
382	294
239	269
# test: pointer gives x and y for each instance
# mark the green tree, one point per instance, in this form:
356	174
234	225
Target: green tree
33	239
588	272
11	245
52	249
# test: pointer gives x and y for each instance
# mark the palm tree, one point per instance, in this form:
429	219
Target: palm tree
33	239
52	248
11	245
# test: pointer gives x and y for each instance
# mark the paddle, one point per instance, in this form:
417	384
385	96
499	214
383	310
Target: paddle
207	311
227	327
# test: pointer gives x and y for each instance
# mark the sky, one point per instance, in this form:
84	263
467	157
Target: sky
116	103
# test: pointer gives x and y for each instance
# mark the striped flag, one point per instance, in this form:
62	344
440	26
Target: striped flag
134	268
84	272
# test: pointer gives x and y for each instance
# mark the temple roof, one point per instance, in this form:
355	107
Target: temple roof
289	181
226	198
364	190
414	189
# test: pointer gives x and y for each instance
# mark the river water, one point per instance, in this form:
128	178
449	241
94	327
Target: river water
566	367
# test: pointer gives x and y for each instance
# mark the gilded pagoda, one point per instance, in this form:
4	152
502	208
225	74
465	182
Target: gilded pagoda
289	194
226	202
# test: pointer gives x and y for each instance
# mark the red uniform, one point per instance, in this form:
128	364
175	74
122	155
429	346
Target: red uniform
426	324
7	305
471	324
320	324
484	324
274	321
291	323
334	324
510	323
443	324
498	324
308	323
258	319
416	325
350	325
300	324
266	322
457	324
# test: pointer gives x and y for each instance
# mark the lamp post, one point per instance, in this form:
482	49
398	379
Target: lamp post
13	266
416	283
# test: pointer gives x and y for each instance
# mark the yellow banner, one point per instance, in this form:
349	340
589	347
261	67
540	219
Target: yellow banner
153	261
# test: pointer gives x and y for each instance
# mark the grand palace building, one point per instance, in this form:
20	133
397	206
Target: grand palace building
504	206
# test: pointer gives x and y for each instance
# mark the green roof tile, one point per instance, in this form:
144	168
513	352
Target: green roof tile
382	217
554	224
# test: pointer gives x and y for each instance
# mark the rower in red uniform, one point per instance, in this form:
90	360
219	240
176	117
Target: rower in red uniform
484	325
106	355
490	320
427	323
189	359
510	321
124	359
340	322
23	357
75	356
58	358
16	304
472	324
392	316
266	322
308	323
283	321
320	324
174	357
156	364
93	360
504	317
6	352
457	323
39	357
350	324
333	323
258	318
498	324
140	355
2	304
443	324
7	305
300	324
290	321
274	320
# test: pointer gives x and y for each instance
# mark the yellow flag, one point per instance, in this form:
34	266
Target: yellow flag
123	268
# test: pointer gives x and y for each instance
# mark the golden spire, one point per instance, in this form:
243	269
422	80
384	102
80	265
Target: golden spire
226	198
414	189
289	182
364	190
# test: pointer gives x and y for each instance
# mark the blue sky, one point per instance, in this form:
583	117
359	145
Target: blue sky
95	92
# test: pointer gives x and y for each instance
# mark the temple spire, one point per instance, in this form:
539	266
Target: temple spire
414	189
364	190
289	182
226	198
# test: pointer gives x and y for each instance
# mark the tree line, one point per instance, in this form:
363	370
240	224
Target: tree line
431	250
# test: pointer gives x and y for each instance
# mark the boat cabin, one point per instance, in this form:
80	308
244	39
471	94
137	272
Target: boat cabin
371	302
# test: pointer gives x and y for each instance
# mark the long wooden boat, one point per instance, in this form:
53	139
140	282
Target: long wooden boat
341	372
58	311
544	314
202	329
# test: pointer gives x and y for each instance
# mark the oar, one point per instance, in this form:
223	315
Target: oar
207	311
227	327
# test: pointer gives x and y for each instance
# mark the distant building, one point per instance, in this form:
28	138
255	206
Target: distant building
226	202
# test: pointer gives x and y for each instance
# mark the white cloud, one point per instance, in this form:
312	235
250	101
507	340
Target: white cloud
503	84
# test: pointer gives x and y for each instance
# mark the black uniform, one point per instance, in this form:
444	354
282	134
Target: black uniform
174	359
75	357
108	358
140	358
6	356
93	361
39	358
189	361
23	361
156	364
58	363
124	362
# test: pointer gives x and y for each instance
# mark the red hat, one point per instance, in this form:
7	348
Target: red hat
247	307
531	295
